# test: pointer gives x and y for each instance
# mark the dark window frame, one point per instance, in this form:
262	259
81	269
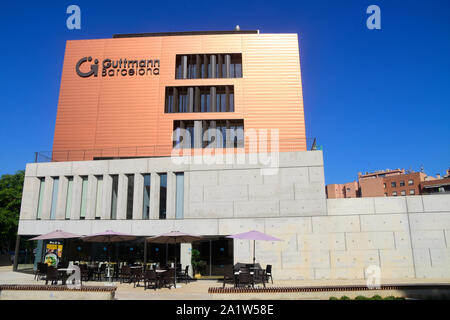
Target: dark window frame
204	69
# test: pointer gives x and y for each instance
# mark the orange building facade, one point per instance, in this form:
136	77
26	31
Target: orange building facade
114	92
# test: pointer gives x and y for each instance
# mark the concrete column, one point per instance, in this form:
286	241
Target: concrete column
184	67
213	66
145	251
76	198
227	65
91	197
107	193
213	99
154	195
197	100
198	136
122	197
205	65
227	99
30	198
171	195
220	63
186	194
230	136
62	198
190	99
138	196
16	253
185	256
47	199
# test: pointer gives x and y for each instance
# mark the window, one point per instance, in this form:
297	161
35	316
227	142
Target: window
394	193
402	183
214	133
146	206
403	193
179	214
130	194
114	190
98	198
69	196
41	197
412	191
410	182
393	184
199	99
162	195
84	190
54	197
384	185
202	66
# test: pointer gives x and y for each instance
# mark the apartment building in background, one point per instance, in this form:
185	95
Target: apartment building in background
389	183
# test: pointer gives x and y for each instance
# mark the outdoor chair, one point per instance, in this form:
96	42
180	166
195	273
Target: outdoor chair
230	278
259	277
244	279
150	278
184	274
168	278
137	276
100	272
84	273
52	276
125	274
116	272
41	270
268	273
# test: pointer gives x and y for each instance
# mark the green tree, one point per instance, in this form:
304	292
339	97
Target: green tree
11	186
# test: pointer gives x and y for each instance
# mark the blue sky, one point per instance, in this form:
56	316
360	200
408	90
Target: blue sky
374	99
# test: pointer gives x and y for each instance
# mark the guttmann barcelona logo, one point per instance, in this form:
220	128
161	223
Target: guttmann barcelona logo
117	68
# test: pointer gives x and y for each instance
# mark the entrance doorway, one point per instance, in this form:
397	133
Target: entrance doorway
217	254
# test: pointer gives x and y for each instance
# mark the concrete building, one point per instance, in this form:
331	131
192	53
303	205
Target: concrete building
123	160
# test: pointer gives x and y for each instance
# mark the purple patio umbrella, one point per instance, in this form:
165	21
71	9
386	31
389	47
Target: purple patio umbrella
108	236
254	235
174	237
57	234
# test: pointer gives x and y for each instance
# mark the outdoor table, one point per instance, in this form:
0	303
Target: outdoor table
252	273
63	274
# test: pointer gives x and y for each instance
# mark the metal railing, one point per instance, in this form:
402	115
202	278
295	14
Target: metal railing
121	152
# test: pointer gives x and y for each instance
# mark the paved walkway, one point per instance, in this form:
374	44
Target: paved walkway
198	290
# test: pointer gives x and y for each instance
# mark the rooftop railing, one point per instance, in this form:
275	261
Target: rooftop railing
123	152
